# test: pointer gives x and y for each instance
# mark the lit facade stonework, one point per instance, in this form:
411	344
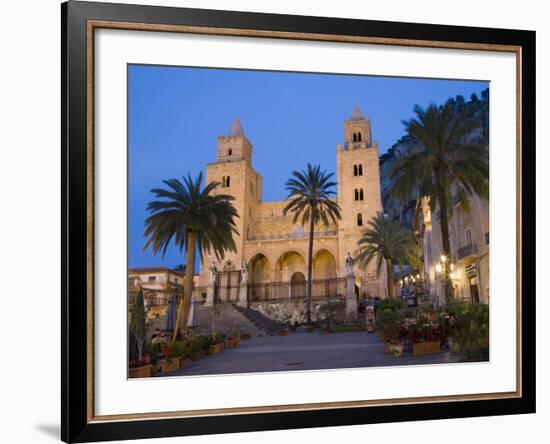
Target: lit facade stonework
272	247
469	239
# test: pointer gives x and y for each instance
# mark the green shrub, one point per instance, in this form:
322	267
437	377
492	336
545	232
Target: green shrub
153	350
217	338
469	328
390	320
178	349
391	304
331	308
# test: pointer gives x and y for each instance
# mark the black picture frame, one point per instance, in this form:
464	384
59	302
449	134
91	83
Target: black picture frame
76	424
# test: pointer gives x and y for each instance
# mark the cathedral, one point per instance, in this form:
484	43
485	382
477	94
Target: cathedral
271	250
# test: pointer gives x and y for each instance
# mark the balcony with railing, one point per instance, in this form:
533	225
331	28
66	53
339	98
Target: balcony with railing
467	251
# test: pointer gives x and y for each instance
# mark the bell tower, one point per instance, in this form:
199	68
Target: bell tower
359	194
234	146
357	129
234	172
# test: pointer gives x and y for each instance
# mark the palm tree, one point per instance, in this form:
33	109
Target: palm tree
194	218
447	162
311	194
388	240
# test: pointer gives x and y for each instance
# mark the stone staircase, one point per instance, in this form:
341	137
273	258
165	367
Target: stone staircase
227	319
267	325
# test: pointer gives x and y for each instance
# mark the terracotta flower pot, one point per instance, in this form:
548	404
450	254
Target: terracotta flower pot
170	365
396	349
216	348
426	348
140	372
229	343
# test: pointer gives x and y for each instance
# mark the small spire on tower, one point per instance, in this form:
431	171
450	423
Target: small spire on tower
357	114
236	129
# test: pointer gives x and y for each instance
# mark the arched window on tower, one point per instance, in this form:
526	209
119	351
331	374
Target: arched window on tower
230	152
223	181
356	194
361	194
355	170
358	137
360	169
359	220
355	137
227	181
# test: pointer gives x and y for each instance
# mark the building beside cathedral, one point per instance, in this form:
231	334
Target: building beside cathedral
271	249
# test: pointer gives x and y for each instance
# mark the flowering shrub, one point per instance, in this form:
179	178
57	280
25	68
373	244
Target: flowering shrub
134	363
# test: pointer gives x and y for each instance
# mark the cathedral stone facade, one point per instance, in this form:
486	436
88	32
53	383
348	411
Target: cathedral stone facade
270	248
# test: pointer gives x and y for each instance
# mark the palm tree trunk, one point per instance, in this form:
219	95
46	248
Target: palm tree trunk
185	302
310	266
444	224
391	284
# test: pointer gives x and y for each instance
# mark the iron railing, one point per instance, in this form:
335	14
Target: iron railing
280	291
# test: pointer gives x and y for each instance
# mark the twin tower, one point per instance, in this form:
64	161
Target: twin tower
274	248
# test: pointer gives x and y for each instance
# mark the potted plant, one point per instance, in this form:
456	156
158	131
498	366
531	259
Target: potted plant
170	363
206	342
229	342
153	350
217	344
236	337
194	349
139	369
423	339
178	352
390	322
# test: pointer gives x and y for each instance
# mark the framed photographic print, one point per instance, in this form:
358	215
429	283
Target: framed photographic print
276	221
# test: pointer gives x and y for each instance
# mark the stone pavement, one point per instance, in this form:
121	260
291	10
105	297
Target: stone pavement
306	351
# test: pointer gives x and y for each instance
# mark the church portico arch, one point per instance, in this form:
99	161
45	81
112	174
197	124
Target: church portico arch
259	268
289	263
324	265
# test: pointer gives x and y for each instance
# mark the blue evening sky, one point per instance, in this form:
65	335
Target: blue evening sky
175	115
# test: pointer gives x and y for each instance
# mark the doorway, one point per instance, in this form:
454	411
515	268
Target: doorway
474	290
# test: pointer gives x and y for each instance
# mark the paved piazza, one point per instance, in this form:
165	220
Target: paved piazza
306	351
